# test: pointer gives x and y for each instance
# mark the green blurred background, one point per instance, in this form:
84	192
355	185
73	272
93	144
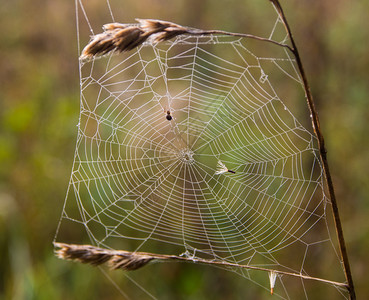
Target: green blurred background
39	106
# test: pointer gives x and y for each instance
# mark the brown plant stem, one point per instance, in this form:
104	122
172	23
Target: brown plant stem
323	155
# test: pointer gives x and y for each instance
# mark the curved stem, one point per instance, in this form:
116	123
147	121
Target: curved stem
323	154
244	35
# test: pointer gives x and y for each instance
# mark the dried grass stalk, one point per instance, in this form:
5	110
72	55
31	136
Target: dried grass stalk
129	261
124	37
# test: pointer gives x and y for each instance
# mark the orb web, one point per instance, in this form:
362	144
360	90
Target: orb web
232	176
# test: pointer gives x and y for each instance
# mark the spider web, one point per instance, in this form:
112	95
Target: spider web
234	176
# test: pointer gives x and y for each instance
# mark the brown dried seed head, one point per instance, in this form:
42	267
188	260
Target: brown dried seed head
123	37
129	262
83	254
113	39
128	38
166	35
88	254
158	25
99	45
113	26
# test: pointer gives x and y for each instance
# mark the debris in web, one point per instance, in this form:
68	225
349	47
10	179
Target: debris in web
272	279
221	168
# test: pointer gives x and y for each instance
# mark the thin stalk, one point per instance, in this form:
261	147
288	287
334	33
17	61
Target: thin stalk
323	155
244	35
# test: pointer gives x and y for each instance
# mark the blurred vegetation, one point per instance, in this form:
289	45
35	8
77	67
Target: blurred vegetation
39	106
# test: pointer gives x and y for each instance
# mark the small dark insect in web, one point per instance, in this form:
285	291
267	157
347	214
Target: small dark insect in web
168	116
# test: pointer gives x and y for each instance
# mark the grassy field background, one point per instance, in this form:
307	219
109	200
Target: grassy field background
39	106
